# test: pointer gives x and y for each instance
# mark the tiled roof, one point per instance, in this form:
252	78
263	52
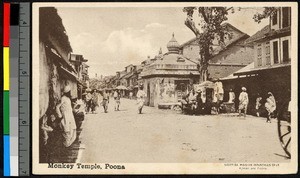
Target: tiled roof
259	35
229	43
173	59
128	75
234	54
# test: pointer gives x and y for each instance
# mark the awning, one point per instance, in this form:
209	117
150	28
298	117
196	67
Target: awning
244	69
67	73
121	87
262	69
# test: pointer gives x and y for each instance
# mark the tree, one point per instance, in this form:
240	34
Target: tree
211	26
267	12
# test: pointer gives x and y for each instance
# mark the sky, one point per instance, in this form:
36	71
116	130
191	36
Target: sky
114	37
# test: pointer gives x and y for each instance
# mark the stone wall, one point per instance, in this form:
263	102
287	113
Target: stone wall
220	71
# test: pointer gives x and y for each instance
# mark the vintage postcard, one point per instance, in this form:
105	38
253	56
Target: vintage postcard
164	88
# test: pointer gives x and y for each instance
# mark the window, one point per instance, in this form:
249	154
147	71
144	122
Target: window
274	19
268	59
285	51
286	17
259	56
275	52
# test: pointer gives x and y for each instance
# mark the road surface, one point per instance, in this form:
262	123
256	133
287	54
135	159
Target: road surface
164	136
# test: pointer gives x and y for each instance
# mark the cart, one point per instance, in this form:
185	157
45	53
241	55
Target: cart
284	127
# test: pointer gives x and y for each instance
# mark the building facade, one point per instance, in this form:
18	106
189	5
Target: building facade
168	76
271	71
229	58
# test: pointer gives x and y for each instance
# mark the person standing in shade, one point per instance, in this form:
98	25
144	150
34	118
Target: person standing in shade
141	95
65	113
244	101
231	96
270	106
131	95
105	101
117	97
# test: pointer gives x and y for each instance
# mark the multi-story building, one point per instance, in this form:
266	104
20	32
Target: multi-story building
271	71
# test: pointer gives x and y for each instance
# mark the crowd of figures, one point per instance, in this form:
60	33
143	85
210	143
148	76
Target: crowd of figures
194	103
61	128
96	98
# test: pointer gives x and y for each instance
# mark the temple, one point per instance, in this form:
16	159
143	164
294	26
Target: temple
168	75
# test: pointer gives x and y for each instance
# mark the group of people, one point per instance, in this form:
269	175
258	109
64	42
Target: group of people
59	126
193	103
94	99
269	105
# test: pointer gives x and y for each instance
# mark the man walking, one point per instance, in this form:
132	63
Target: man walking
141	95
244	100
105	101
117	97
88	100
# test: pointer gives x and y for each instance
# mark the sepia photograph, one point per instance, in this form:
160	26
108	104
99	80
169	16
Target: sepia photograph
164	88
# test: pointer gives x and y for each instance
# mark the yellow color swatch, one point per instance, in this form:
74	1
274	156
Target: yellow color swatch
6	68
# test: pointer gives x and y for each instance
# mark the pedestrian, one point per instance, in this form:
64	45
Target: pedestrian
200	106
65	113
94	101
258	105
105	100
220	90
141	95
231	96
220	94
215	99
130	95
117	97
243	101
270	106
88	100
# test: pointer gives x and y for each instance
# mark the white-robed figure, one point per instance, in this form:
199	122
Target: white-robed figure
65	113
270	106
244	101
141	95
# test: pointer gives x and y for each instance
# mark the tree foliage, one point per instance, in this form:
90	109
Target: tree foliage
267	12
211	19
211	27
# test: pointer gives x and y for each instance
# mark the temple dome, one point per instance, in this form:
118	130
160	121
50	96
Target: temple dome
173	45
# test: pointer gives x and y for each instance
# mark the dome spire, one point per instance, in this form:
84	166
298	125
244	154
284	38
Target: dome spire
160	51
173	45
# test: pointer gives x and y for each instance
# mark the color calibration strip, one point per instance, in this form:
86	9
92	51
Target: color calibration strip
13	91
6	139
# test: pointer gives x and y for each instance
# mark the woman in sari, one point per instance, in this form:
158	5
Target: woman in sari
270	106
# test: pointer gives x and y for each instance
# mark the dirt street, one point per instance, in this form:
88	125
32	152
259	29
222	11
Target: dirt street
164	136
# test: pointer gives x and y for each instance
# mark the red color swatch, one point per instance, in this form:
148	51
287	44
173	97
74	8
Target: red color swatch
6	24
